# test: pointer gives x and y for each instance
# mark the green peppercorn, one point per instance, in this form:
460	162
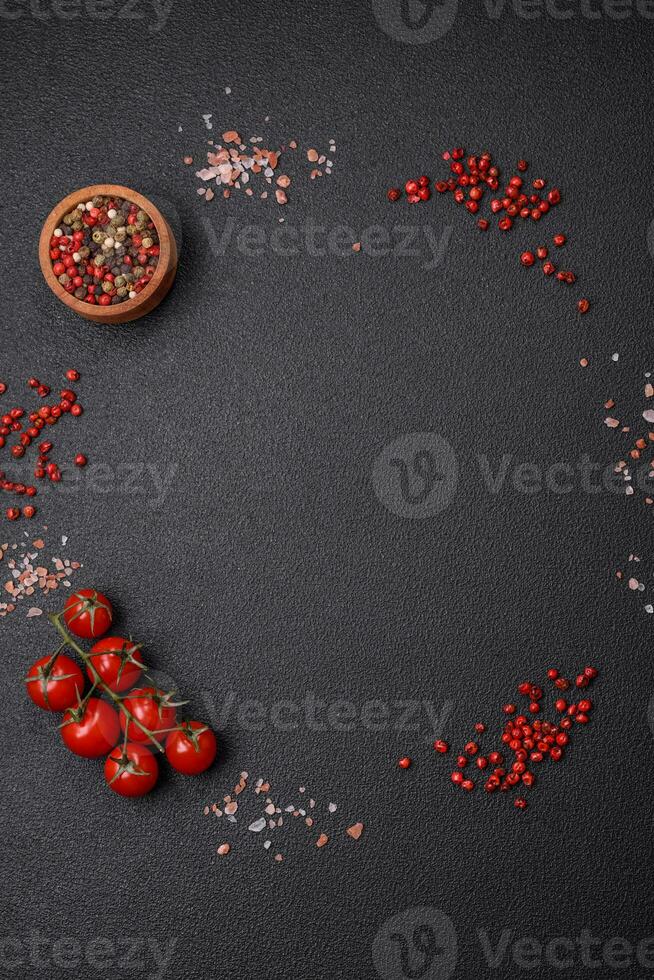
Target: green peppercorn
98	260
107	287
122	291
63	278
97	201
138	271
77	225
147	243
84	251
80	292
98	236
119	281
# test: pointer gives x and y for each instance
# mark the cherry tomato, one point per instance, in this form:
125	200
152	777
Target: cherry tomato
153	709
53	684
192	748
132	771
88	614
117	661
93	731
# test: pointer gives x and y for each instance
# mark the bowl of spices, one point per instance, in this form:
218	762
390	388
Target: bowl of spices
108	253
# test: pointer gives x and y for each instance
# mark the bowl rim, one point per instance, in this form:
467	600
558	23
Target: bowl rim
163	265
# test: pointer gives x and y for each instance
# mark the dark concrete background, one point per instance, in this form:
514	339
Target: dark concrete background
271	384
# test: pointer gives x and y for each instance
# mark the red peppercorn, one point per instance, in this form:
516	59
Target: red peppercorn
481	762
495	758
72	375
520	804
467	784
393	194
559	240
29	511
556	753
562	683
549	268
483	224
457	777
582	680
509	709
13	513
462	761
505	224
522	165
527	258
81	460
561	705
405	762
541	252
17	451
411	187
76	409
441	746
583	306
480	728
471	748
554	196
590	672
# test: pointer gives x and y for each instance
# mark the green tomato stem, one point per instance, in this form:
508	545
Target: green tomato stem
55	619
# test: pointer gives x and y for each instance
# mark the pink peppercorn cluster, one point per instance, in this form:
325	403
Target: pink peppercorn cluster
46	415
528	258
471	177
105	251
531	741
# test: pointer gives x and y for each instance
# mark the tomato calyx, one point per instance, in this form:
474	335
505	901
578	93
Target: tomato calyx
44	674
125	653
191	733
162	699
90	604
125	765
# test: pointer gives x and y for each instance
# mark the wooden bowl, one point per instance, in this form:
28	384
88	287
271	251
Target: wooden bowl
150	296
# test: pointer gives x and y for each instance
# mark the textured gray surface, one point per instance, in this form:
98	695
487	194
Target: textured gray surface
272	383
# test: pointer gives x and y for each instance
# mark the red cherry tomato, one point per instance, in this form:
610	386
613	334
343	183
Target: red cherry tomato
192	748
117	661
55	684
153	709
132	771
92	732
88	614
